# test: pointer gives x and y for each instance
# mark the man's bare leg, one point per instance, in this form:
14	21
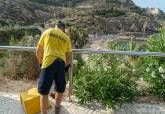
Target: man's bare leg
43	103
58	99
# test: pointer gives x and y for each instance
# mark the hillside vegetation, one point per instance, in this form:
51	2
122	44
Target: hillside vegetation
90	11
94	16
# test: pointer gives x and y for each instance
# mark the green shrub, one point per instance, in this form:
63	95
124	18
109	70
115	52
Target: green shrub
111	79
156	42
102	79
127	46
78	37
155	66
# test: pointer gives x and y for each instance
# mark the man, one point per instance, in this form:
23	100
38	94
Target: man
53	54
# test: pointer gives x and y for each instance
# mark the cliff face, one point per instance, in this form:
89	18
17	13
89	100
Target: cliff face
103	16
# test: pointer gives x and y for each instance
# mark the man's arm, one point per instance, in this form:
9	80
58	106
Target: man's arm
39	53
68	58
40	47
69	53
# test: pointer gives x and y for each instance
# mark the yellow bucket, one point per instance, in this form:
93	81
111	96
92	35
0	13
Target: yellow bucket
30	101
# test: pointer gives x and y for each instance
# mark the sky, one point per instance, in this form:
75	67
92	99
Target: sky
151	4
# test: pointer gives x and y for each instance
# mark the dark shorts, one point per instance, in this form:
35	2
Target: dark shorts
55	72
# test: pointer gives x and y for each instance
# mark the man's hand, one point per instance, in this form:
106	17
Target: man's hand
67	68
69	58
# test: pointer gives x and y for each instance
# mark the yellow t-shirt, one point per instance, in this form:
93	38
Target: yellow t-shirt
56	44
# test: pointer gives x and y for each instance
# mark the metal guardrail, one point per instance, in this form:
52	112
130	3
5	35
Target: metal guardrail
91	51
17	48
87	51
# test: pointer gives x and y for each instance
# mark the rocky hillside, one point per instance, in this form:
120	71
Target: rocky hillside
96	16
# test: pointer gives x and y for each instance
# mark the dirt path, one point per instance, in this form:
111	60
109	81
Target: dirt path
15	86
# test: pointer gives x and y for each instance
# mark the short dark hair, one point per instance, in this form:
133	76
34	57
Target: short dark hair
60	24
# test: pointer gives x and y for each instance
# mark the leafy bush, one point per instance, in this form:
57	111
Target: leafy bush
78	37
112	79
127	46
156	42
105	81
155	66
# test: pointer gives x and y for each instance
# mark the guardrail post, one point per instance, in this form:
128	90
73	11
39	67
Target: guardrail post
71	80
